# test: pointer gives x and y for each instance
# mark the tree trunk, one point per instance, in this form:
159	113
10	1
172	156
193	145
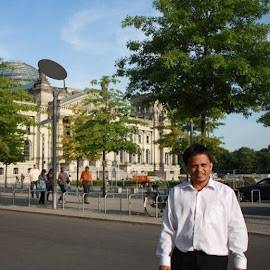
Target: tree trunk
103	173
203	127
78	160
6	176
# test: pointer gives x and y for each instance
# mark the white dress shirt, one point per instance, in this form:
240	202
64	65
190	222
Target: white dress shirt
209	220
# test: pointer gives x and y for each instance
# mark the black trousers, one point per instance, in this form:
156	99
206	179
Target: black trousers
63	191
86	189
197	260
42	197
32	187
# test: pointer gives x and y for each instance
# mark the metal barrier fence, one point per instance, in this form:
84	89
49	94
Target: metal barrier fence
112	194
129	201
89	194
81	196
252	195
66	194
157	202
21	190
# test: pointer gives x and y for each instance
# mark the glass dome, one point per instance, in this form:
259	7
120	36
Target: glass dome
20	72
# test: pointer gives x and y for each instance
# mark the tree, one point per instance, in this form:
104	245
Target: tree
70	146
177	135
107	123
262	162
225	162
245	160
200	56
13	105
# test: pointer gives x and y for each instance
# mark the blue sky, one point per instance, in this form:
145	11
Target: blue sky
85	37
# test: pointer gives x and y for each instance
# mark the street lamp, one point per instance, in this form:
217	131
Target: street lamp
57	72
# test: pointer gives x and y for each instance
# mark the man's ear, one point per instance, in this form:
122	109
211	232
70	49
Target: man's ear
211	164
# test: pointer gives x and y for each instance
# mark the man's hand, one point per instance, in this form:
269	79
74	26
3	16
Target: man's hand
164	267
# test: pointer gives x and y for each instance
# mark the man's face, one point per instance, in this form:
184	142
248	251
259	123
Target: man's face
87	169
199	167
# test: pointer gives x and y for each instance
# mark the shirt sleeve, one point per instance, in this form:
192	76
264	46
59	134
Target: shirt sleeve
238	236
167	234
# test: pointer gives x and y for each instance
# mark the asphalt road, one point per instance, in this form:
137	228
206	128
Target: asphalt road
31	241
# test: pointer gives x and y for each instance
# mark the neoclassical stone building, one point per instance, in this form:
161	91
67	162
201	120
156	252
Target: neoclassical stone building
38	145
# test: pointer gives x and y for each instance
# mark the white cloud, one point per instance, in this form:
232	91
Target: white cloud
80	31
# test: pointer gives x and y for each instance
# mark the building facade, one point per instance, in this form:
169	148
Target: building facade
38	145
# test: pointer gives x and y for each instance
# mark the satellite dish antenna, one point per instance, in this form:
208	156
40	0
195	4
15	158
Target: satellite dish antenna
52	69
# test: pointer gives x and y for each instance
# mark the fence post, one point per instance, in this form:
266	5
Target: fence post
13	196
29	197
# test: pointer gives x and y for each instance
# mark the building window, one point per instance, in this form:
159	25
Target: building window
28	129
27	150
121	156
131	137
139	138
66	124
173	159
167	158
130	158
147	157
139	156
1	171
147	139
15	170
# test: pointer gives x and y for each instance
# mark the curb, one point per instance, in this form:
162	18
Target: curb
119	220
111	219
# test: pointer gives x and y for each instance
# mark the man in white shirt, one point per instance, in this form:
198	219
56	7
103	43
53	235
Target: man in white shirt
202	222
34	175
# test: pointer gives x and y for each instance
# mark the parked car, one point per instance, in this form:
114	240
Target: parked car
263	186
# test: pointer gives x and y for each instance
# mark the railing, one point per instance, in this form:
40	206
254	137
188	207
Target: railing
66	194
157	202
105	201
252	195
20	190
91	193
129	201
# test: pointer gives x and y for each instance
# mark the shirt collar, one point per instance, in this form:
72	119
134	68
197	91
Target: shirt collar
211	184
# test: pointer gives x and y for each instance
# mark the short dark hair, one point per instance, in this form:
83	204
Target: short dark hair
43	171
194	150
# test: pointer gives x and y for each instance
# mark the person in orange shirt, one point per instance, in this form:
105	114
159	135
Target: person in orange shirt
87	182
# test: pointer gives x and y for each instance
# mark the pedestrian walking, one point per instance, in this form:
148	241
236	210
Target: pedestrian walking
33	175
41	185
70	181
202	222
62	182
22	180
50	183
86	181
18	182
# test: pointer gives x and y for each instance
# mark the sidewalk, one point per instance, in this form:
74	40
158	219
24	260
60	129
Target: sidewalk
257	216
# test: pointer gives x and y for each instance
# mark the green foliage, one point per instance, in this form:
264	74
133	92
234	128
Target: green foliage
244	160
108	122
200	56
71	146
13	120
177	136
